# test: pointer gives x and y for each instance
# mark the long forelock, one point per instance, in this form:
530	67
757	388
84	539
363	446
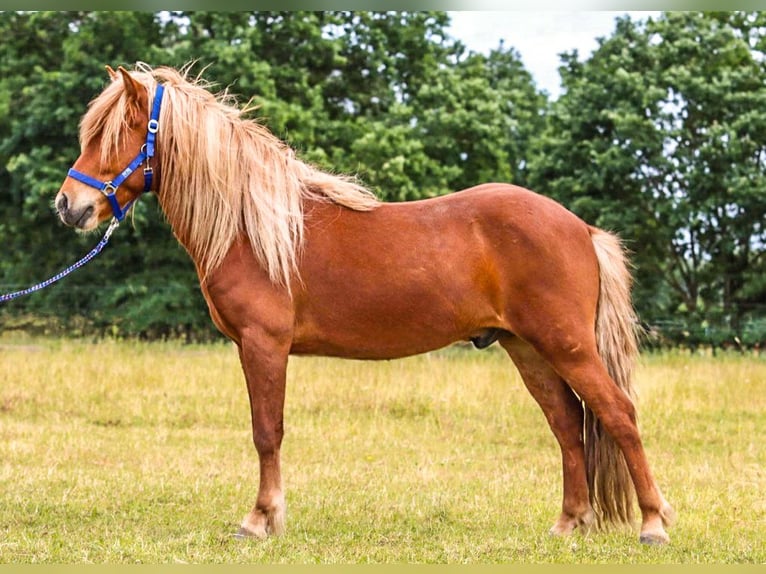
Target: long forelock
107	117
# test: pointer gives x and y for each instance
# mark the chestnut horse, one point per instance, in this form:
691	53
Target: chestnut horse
294	260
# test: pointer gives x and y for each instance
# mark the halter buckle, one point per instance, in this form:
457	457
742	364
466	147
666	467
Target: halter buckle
109	189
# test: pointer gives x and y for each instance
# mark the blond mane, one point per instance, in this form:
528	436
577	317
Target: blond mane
223	175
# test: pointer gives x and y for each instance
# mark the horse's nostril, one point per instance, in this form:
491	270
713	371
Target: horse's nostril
62	204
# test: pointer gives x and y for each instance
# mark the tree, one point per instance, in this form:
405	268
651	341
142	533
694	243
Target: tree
473	122
660	135
481	116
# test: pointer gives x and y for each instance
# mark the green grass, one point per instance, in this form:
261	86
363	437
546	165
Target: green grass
124	452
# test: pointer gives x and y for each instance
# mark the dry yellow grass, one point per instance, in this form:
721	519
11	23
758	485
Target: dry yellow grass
133	452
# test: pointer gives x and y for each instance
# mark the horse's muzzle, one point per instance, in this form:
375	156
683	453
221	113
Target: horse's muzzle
73	217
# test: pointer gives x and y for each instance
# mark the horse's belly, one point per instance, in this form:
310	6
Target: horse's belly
395	322
350	345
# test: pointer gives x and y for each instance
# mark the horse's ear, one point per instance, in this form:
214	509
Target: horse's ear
132	87
112	74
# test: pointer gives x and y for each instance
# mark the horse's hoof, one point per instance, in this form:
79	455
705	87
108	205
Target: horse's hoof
245	534
242	534
654	539
569	522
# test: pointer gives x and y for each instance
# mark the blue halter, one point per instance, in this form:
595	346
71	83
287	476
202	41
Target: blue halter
109	188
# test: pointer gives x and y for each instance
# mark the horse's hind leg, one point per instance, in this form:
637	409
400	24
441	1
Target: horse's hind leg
575	357
564	413
265	365
587	375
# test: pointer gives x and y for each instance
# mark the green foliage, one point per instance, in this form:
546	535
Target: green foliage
660	135
354	92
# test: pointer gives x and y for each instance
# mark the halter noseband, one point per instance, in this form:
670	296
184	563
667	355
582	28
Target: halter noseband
109	188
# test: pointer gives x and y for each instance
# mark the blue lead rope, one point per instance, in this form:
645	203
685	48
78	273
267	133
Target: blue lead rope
93	252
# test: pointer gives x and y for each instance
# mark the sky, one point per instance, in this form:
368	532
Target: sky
539	37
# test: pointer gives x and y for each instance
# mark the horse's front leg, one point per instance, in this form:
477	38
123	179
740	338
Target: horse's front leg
264	361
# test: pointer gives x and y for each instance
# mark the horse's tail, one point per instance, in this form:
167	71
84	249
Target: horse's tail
611	488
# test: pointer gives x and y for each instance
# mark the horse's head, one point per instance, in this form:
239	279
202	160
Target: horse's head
117	139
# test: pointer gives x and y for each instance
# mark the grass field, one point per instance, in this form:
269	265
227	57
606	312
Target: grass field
124	452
